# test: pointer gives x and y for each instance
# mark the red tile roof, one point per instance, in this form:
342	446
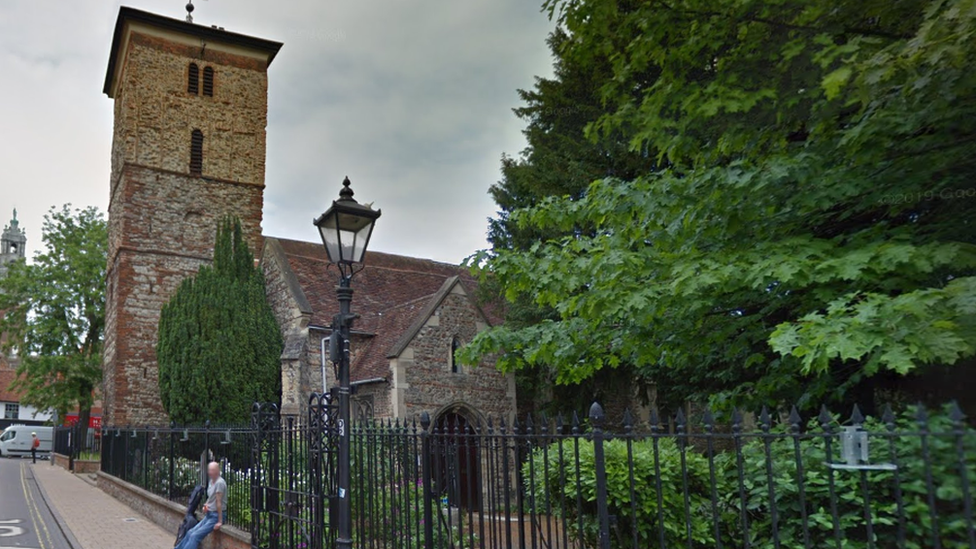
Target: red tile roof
390	293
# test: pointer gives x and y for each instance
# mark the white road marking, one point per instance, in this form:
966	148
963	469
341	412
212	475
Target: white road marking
10	531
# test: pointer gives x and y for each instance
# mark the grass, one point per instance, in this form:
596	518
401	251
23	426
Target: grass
89	456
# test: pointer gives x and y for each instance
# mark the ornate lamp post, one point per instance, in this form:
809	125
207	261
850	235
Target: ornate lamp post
345	228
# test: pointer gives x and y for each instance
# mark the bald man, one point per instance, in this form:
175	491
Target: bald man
214	509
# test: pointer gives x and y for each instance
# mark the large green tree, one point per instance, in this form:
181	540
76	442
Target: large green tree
54	313
810	224
219	344
558	160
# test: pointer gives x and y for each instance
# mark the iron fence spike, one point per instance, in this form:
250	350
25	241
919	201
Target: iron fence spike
596	414
708	420
921	414
679	418
825	418
628	421
857	418
888	417
956	414
795	419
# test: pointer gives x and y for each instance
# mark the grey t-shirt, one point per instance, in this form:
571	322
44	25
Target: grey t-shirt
216	490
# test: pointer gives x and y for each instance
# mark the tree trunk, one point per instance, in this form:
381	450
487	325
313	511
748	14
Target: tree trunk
84	418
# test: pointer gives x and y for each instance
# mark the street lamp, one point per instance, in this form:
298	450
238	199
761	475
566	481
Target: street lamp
345	229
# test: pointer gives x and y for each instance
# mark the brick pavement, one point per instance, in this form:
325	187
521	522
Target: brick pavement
97	520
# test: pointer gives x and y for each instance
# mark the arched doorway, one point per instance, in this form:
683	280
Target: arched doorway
457	460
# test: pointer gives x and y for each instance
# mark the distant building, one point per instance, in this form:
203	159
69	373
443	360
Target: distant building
13	244
13	247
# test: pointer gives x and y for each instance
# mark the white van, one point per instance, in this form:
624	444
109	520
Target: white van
16	440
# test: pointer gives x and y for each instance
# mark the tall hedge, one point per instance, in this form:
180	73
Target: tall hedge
219	344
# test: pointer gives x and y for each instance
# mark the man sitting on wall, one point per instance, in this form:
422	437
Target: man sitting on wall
215	510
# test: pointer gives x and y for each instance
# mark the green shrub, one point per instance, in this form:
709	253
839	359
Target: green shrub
390	509
554	488
853	488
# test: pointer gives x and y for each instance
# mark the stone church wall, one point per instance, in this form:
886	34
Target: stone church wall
158	250
425	366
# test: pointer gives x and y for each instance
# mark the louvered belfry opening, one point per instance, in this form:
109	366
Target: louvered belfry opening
196	153
193	80
208	81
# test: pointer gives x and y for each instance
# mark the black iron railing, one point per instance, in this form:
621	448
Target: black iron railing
776	480
77	443
171	461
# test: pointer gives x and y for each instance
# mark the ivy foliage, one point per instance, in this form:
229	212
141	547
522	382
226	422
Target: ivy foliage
219	343
809	224
54	313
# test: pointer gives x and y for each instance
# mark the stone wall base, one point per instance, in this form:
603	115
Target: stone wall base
61	461
87	467
168	515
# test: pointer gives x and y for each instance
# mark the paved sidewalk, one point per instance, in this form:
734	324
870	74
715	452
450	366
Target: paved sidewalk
97	520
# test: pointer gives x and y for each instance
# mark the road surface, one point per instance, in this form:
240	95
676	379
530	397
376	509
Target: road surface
26	521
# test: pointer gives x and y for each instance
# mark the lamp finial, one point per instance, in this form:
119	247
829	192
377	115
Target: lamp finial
346	192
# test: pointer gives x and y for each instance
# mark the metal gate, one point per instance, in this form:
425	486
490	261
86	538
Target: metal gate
293	476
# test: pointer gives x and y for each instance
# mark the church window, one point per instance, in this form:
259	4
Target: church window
193	81
208	79
196	153
455	346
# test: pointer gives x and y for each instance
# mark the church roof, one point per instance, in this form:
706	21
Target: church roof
394	295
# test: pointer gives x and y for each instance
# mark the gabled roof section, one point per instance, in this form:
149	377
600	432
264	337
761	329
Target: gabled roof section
131	17
273	249
421	319
391	294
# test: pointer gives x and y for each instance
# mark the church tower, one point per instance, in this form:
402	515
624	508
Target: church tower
13	245
191	105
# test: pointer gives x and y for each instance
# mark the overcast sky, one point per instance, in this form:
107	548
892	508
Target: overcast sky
411	99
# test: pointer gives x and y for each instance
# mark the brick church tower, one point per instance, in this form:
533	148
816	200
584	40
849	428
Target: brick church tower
191	105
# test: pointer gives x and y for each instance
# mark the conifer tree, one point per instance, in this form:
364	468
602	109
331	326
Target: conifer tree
219	343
